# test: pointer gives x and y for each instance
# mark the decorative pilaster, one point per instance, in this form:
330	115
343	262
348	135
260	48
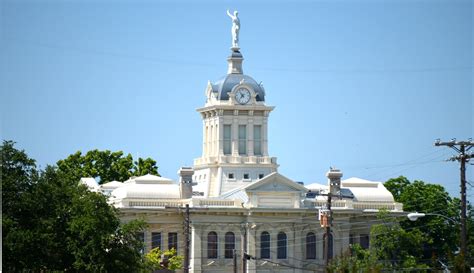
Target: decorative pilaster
265	137
196	252
251	250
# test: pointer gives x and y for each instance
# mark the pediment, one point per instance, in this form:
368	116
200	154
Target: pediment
275	182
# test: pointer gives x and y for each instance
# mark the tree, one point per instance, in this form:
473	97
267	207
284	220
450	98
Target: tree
105	166
417	196
18	177
392	248
52	223
158	259
395	247
354	260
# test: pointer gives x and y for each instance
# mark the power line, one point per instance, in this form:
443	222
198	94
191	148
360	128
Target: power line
203	64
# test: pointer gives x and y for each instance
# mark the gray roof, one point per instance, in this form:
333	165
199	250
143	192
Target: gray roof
226	83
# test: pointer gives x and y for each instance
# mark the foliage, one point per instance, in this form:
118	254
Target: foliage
51	223
392	249
157	259
105	166
355	260
418	196
395	247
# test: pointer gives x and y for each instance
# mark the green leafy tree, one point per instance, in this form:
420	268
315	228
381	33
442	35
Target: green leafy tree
51	223
158	259
395	247
355	260
145	166
106	166
392	248
418	196
19	174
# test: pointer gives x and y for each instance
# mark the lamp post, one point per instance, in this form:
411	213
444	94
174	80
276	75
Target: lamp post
413	216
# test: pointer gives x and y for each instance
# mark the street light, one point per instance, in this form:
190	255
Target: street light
413	216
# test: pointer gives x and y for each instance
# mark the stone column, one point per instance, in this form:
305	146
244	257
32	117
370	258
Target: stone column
297	243
220	135
251	249
265	136
204	137
196	254
212	138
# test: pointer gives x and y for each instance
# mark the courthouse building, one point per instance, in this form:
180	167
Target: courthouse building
237	198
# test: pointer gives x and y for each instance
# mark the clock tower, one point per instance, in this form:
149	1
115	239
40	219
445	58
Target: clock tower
235	133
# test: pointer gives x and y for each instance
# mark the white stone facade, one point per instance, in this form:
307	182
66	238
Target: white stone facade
236	192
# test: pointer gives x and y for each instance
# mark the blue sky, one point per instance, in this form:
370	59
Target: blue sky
366	86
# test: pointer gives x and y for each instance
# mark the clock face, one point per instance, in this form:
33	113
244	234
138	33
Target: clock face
242	95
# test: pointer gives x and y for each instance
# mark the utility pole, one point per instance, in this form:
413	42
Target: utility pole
334	176
186	239
328	230
244	248
462	147
235	260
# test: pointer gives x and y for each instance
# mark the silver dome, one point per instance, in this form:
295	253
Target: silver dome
224	85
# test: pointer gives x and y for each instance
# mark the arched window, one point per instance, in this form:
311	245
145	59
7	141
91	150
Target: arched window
310	245
330	246
212	245
265	245
229	245
281	245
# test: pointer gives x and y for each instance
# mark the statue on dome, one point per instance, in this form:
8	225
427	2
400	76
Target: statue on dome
235	29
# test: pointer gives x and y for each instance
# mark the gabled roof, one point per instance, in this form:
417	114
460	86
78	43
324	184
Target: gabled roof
271	181
237	193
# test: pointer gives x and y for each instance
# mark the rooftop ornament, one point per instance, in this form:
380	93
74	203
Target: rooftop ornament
235	29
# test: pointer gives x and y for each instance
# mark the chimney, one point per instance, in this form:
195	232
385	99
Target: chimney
334	179
186	182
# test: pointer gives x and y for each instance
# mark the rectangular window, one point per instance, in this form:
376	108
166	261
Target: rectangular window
242	139
212	245
310	246
260	176
281	245
173	240
231	176
227	140
364	241
156	240
265	245
229	246
246	176
257	140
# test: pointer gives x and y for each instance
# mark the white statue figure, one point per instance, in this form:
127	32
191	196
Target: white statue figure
235	28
